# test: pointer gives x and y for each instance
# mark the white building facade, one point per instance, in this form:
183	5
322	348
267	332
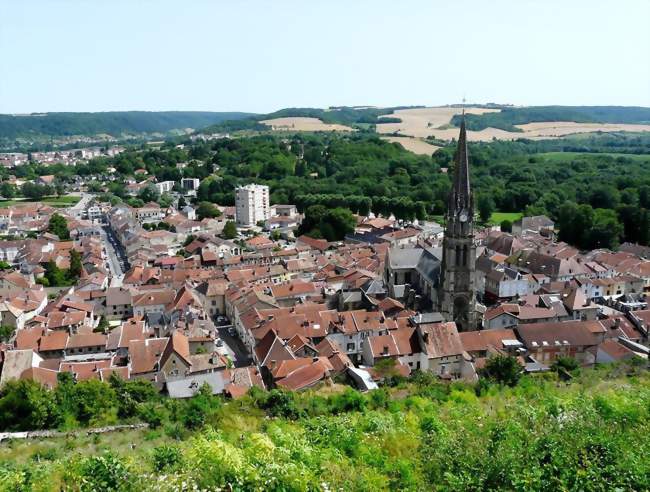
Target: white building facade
252	204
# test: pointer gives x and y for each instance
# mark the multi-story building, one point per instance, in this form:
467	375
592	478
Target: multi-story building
252	204
190	184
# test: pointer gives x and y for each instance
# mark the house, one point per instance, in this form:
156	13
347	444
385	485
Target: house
401	345
152	302
442	350
546	342
482	344
118	303
538	224
45	180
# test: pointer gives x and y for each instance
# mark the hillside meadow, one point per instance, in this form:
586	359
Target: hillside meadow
588	434
440	123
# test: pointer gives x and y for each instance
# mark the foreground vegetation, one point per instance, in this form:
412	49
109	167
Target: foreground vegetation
542	434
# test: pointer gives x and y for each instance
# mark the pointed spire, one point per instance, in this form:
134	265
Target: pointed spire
460	197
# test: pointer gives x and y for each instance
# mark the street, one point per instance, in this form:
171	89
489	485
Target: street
235	348
116	259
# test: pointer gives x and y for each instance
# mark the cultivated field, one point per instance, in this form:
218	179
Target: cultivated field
424	122
302	124
432	122
414	145
561	128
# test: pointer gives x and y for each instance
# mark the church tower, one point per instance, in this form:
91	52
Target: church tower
457	294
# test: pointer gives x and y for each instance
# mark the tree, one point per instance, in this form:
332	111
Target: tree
149	194
486	207
6	332
75	265
54	275
502	369
165	200
336	223
206	210
229	230
181	203
506	226
566	364
7	190
59	226
36	192
26	405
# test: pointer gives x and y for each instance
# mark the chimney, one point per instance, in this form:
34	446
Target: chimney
617	323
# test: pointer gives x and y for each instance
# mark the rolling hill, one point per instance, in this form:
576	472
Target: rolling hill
114	123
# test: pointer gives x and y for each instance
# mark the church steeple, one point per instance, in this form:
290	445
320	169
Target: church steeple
457	291
460	198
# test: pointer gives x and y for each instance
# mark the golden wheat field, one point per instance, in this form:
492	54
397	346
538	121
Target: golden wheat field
414	145
303	124
425	122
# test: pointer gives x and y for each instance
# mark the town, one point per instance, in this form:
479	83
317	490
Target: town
235	299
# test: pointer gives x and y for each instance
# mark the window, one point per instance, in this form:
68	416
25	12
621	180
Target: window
351	347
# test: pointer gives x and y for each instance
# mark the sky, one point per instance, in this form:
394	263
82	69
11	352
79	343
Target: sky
263	55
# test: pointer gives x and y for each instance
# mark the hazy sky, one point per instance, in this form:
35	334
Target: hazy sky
262	55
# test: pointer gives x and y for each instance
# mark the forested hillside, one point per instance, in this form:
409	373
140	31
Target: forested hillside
508	117
342	115
542	434
114	123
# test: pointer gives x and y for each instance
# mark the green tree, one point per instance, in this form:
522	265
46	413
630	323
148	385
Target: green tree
6	332
7	190
26	405
502	369
506	226
55	276
149	194
75	265
486	207
59	226
206	210
229	230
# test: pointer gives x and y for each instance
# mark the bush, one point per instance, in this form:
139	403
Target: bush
280	403
502	369
567	364
105	473
166	458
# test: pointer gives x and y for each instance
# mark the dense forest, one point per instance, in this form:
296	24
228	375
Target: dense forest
539	434
510	116
114	123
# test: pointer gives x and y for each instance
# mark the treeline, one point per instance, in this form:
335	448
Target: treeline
508	117
113	123
403	208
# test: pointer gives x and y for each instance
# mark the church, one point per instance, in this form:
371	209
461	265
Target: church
443	279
